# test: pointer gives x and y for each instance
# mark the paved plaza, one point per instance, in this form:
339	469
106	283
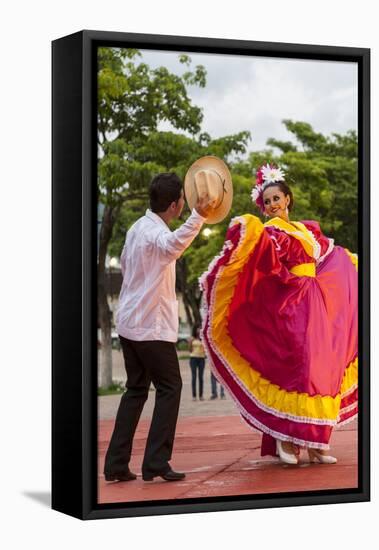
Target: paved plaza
108	404
218	452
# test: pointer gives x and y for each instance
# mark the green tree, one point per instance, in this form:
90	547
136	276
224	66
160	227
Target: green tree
322	172
132	100
175	152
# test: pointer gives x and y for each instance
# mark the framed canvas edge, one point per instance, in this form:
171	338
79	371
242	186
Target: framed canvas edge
88	378
67	315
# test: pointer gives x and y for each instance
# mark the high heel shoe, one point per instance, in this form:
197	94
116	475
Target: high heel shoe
285	457
316	456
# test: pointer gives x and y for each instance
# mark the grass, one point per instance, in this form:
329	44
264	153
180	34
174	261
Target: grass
182	346
118	388
113	389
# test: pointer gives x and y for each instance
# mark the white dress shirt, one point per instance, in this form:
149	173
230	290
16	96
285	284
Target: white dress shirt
148	308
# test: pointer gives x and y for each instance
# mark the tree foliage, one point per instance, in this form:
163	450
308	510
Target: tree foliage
321	170
323	174
134	98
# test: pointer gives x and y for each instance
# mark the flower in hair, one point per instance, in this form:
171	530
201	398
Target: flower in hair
271	174
265	174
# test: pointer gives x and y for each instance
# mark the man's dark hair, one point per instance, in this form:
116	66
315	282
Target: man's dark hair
164	189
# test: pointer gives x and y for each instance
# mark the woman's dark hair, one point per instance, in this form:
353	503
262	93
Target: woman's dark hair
194	330
164	189
284	189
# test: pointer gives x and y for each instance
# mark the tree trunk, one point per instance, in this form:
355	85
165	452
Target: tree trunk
190	294
104	312
191	298
188	312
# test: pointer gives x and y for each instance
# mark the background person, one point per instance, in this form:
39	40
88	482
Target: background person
214	394
197	363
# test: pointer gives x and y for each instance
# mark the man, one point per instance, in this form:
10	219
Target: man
147	323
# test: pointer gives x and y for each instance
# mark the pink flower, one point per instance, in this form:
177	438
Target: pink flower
259	203
259	177
267	173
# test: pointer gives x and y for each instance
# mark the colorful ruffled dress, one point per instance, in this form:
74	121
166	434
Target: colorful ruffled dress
280	328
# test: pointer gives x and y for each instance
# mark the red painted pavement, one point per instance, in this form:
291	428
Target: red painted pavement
221	456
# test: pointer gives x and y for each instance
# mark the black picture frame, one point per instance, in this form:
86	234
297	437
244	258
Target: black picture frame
74	227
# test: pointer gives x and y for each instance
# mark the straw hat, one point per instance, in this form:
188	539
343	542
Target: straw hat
210	175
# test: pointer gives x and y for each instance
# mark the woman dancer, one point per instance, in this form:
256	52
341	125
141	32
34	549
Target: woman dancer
280	325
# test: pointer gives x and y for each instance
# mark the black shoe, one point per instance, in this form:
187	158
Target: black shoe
168	476
127	476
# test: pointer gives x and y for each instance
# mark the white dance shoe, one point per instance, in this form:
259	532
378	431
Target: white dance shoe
316	456
284	456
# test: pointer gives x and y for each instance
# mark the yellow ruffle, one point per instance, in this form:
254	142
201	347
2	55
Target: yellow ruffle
304	270
288	404
353	258
350	377
300	232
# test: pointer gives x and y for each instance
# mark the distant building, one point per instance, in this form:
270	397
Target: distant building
100	212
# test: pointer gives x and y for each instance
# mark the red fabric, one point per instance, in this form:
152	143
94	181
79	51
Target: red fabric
268	446
314	227
298	332
349	399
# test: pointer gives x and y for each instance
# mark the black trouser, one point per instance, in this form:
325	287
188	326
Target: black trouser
145	362
197	365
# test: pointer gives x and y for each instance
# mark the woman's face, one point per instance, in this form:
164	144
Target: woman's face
275	202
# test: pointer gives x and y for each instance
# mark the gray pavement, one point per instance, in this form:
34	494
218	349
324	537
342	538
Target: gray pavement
108	404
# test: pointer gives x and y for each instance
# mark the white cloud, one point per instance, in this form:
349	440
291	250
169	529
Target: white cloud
256	94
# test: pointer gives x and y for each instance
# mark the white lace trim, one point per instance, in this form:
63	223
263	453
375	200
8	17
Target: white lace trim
347	421
347	409
283	437
330	248
262	406
349	391
227	246
315	244
247	416
258	426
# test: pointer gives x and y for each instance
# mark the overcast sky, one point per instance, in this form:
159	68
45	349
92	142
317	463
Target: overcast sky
257	93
